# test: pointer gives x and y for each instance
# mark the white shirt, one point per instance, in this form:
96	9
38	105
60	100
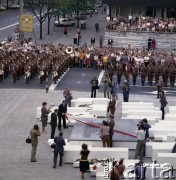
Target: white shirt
140	134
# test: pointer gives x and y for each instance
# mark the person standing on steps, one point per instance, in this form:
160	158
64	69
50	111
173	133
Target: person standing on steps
94	87
163	102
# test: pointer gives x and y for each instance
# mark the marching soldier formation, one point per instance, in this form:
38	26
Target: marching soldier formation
46	60
28	61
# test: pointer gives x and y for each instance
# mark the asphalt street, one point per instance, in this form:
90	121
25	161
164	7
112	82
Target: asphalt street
9	22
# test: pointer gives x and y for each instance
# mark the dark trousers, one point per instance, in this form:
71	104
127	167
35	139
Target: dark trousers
105	141
64	121
53	129
140	149
110	141
93	92
55	159
163	112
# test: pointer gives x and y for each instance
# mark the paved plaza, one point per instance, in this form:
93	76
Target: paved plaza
18	115
18	104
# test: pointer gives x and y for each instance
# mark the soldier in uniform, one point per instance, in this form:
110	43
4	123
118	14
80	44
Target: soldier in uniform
119	72
14	74
1	74
54	76
157	72
151	70
134	73
110	72
160	85
165	74
27	76
172	75
143	70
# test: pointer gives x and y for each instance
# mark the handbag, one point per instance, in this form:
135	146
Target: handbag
53	145
97	87
28	139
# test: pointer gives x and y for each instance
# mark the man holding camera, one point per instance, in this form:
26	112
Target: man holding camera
34	132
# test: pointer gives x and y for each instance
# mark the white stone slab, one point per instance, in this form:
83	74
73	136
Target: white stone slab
72	152
167	158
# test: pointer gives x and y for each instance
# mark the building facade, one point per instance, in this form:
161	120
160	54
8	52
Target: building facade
152	8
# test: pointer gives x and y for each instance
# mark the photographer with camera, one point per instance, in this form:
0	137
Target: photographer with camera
126	91
34	132
140	132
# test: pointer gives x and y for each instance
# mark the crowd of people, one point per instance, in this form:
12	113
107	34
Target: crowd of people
141	23
46	59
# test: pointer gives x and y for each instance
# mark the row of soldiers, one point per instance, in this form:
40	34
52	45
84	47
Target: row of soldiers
28	63
151	71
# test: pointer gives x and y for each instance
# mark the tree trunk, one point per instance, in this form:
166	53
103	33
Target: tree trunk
49	18
41	32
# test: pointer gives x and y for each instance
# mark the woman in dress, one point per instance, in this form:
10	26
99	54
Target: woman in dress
84	163
44	116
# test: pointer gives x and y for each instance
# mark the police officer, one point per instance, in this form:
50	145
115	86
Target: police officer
172	75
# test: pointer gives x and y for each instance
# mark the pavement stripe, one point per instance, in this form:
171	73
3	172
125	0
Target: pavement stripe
53	86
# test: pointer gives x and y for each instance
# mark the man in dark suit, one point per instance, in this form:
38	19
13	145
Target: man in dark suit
62	110
59	149
53	123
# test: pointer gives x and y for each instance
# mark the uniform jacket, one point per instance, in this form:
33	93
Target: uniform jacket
34	136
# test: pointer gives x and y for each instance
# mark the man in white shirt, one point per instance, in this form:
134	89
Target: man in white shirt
140	132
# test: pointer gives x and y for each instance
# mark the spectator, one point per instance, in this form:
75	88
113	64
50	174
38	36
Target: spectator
35	132
110	42
58	149
101	41
153	43
84	163
92	40
126	91
65	31
104	131
118	168
94	87
96	27
140	131
53	123
149	43
163	102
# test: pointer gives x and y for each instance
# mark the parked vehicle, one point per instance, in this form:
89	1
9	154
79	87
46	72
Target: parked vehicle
68	21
